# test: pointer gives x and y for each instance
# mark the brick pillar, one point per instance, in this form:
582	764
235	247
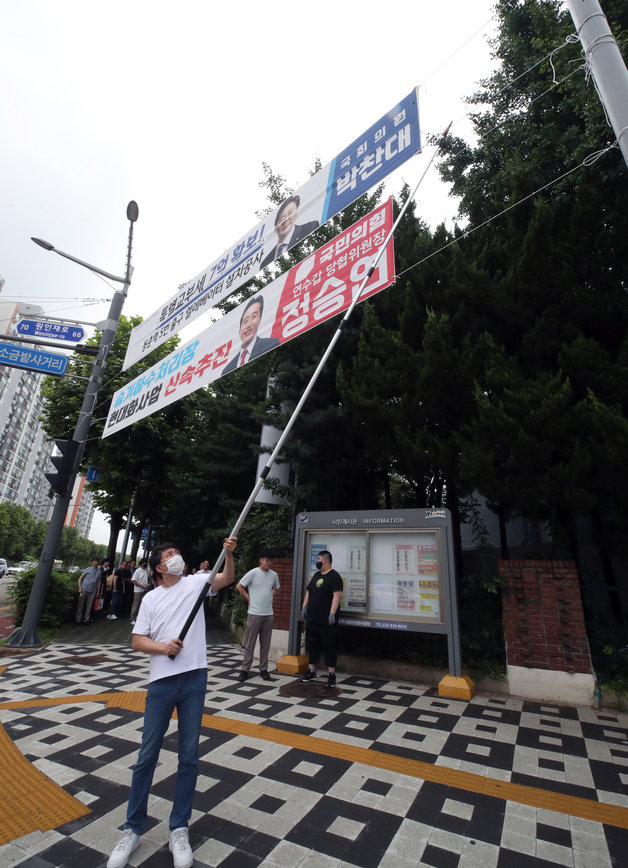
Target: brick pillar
283	597
543	617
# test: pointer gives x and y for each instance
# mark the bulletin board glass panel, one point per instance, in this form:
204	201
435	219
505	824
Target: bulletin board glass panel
386	574
349	554
404	576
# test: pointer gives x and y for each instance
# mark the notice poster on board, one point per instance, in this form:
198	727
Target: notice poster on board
404	576
405	560
429	594
354	597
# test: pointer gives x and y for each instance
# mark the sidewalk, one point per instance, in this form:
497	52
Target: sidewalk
379	773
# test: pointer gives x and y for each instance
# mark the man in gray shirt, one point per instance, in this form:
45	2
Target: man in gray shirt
88	584
258	587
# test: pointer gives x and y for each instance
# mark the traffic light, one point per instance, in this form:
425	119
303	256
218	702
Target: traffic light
64	464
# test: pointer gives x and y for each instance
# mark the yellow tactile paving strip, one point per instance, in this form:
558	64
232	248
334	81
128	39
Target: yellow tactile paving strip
51	813
28	799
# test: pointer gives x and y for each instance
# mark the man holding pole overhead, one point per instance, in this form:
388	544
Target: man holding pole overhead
177	680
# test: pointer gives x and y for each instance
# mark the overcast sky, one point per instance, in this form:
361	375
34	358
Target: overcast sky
177	106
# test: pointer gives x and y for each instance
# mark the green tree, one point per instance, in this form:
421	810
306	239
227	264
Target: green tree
550	324
18	531
137	452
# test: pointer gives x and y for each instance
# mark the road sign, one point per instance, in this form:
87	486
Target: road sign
33	360
56	330
93	474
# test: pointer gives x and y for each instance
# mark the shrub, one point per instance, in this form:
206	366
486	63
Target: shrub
234	608
59	603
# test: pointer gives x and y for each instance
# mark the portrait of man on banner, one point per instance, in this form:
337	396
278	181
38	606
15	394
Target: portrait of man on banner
310	293
288	231
251	346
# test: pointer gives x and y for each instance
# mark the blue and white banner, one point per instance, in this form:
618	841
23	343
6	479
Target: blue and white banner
381	149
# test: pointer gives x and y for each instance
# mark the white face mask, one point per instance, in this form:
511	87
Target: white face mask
174	565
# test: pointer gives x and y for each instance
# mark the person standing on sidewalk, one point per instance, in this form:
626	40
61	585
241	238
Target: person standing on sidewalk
88	584
179	683
140	586
258	587
320	604
117	591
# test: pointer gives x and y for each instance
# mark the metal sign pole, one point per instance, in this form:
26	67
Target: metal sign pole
27	635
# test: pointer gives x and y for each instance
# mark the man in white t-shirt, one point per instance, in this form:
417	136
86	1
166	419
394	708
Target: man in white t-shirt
140	586
258	587
177	680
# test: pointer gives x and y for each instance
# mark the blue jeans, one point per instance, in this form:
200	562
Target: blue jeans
114	603
186	693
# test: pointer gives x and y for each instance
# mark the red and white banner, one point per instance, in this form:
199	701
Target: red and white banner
316	289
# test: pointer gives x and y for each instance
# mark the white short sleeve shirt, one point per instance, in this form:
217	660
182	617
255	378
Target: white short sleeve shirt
162	615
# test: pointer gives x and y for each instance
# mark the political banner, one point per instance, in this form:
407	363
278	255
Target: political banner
316	289
381	149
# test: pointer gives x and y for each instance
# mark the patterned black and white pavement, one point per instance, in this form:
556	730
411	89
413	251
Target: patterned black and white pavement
270	794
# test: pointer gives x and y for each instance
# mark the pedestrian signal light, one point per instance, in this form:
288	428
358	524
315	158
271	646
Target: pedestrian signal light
64	463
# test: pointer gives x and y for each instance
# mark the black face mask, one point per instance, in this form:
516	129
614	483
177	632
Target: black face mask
319	564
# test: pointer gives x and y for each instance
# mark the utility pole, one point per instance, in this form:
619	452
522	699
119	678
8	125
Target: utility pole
606	64
72	450
129	518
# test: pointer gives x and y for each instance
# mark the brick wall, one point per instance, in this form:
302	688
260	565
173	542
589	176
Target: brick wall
543	618
281	602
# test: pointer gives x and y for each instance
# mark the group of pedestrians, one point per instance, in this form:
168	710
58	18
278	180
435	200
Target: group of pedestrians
117	592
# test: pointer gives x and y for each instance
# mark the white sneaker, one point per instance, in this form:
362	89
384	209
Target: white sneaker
180	848
120	854
113	617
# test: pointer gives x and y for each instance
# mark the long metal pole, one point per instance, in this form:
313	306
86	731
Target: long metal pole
27	635
607	66
295	413
127	530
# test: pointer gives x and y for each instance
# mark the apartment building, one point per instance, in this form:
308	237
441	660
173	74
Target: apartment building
24	450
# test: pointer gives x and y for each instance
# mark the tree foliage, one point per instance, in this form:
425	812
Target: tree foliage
21	538
129	460
497	364
20	535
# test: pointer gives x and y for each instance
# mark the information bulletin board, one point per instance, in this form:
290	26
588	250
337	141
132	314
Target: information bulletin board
396	568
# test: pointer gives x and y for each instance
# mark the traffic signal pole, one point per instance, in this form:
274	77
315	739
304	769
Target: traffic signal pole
27	635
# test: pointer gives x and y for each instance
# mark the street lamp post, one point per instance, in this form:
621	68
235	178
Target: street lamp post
27	635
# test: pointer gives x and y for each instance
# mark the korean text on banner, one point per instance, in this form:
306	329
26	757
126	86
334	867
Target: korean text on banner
316	289
369	159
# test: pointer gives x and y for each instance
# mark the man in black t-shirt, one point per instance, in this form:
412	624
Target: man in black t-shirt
320	604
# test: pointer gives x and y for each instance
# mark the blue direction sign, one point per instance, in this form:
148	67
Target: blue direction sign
93	474
33	360
58	331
